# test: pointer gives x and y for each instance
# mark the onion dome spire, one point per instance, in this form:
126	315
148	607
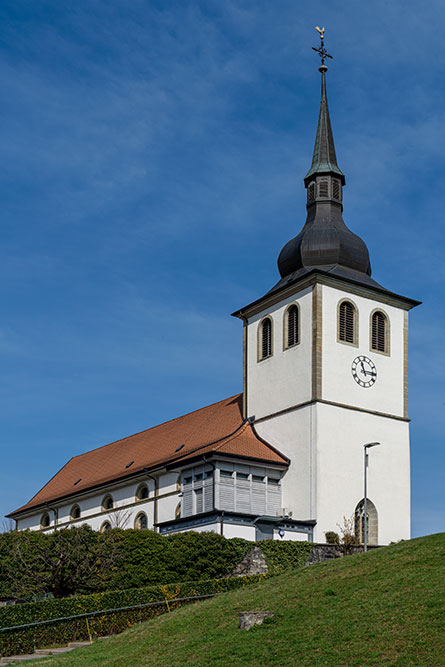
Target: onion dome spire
325	242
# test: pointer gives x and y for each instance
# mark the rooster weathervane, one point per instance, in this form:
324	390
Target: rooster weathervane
320	49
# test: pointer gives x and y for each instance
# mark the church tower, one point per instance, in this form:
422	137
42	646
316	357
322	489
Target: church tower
326	366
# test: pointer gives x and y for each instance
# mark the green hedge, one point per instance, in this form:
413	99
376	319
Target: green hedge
120	559
282	556
26	640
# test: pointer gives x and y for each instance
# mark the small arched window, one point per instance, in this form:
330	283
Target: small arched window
105	526
45	521
141	521
347	323
379	332
371	520
292	326
107	503
265	339
75	512
311	193
142	492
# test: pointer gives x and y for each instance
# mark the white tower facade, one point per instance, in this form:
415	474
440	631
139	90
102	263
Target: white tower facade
326	368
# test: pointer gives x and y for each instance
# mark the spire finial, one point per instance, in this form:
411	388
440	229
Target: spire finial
321	50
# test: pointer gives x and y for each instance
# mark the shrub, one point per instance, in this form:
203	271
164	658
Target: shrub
25	640
332	537
281	556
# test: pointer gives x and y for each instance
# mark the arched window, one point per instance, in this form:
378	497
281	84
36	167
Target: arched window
379	332
372	521
107	503
141	521
311	193
75	512
265	339
45	520
105	526
292	326
347	323
142	492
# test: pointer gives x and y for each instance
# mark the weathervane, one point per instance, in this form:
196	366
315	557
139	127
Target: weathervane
321	50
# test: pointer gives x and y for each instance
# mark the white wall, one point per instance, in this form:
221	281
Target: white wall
341	436
289	536
284	379
125	510
293	435
338	384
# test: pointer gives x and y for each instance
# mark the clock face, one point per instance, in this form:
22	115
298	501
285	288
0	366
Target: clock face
364	371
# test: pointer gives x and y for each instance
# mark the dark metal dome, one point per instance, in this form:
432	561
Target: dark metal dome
325	241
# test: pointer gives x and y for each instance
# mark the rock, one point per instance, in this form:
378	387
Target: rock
252	563
247	619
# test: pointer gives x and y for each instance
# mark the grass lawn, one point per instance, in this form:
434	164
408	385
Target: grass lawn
385	607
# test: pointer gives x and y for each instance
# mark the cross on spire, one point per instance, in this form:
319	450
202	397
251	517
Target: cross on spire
321	49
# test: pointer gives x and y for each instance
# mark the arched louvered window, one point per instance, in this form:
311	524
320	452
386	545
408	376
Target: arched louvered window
347	323
265	340
292	326
379	331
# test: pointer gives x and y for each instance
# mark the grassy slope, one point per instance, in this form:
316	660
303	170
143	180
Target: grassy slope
381	608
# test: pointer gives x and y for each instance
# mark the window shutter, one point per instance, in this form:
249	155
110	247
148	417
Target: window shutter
323	188
378	333
311	193
336	191
266	339
346	322
292	326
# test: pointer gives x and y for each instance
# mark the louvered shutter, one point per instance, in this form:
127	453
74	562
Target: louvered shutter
226	493
346	322
292	326
378	334
266	339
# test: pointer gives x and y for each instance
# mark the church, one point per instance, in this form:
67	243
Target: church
325	372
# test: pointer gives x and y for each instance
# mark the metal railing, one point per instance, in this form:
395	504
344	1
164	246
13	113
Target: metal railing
167	602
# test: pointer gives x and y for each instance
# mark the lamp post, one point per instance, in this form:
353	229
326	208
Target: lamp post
365	518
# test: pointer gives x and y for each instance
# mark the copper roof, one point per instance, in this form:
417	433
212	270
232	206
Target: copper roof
217	428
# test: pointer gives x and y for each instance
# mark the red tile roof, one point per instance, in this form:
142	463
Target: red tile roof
217	428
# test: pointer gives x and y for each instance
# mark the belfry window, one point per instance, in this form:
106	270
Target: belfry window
265	339
323	188
311	193
347	323
336	189
379	332
291	326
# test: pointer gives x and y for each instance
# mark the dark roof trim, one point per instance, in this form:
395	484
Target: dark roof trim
326	278
219	513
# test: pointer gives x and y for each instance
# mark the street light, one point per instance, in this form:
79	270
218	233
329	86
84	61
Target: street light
365	518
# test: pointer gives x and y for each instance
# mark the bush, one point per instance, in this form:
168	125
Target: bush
25	640
332	537
281	556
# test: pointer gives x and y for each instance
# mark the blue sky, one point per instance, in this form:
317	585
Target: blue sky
153	158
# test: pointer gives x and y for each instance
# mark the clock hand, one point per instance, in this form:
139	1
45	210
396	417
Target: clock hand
363	368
